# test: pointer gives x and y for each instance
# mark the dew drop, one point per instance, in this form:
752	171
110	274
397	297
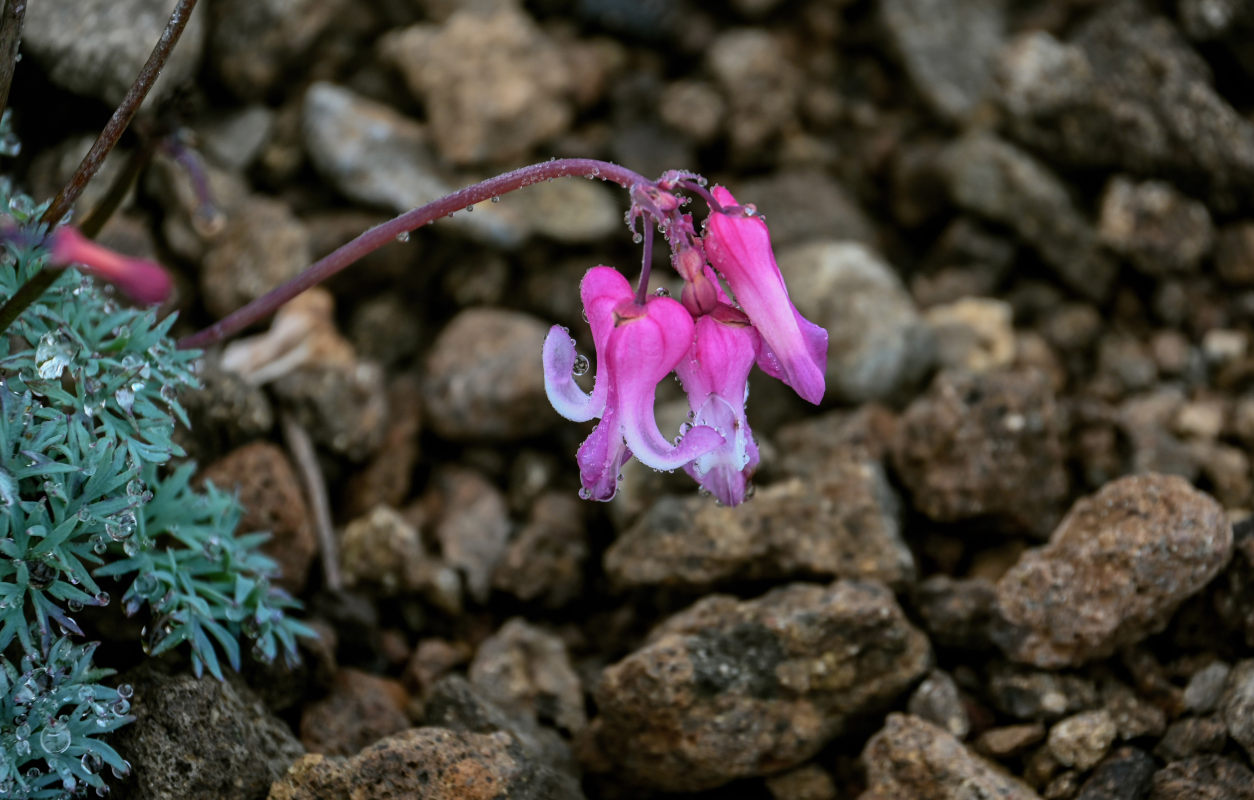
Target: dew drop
55	738
661	291
402	237
496	199
581	365
585	493
470	208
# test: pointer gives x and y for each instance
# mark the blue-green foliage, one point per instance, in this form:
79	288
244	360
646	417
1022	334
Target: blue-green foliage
88	404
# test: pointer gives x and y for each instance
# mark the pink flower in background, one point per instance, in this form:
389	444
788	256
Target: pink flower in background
794	349
140	279
637	345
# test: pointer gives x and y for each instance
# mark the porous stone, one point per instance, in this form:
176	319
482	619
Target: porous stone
878	346
1125	557
544	560
428	764
1191	736
1126	774
267	487
912	759
493	83
729	689
997	180
808	445
973	333
984	444
1082	740
383	550
947	48
936	700
97	47
1127	92
343	406
845	524
956	612
1207	777
1154	226
525	668
201	738
483	377
360	709
1031	694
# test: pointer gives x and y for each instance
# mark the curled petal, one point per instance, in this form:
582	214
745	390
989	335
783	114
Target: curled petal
739	248
564	394
600	458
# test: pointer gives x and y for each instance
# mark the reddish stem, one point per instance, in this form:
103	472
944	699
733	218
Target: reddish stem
411	220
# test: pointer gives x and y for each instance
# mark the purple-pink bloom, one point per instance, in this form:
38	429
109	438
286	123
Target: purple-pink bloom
637	345
715	373
793	349
142	280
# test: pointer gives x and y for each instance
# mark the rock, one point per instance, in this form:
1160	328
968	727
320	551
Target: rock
1191	736
97	47
385	329
760	83
1205	687
1082	740
1135	715
473	529
234	140
253	44
974	334
428	764
956	612
845	524
1155	227
1203	778
484	379
947	49
380	158
493	83
809	445
360	710
262	245
997	180
804	206
384	551
878	347
1234	254
430	661
1038	695
1237	704
987	444
807	782
1127	555
729	689
201	738
385	479
1009	740
694	108
523	668
571	211
911	759
343	407
1126	92
225	412
936	700
544	560
1126	774
263	479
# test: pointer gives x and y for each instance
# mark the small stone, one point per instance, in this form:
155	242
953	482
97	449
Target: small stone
997	180
1208	777
1224	345
1156	228
730	689
474	528
1009	740
201	737
385	478
807	782
493	83
235	139
694	108
1191	736
1205	688
807	446
1201	418
483	377
974	334
254	42
986	444
524	668
1038	695
1135	716
570	211
956	612
1125	774
1128	555
912	758
225	412
878	346
381	549
947	48
1234	254
804	206
431	660
844	524
263	479
342	406
760	82
361	709
544	560
262	245
97	47
936	700
1082	740
429	764
1237	704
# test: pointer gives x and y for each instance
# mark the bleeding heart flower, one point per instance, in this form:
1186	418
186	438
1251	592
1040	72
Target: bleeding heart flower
142	280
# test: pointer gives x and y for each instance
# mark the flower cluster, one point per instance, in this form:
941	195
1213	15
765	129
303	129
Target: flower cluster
709	339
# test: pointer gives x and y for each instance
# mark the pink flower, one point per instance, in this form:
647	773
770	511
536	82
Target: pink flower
636	347
793	349
142	280
715	373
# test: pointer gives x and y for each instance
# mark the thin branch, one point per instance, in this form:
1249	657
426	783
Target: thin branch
411	220
11	19
302	449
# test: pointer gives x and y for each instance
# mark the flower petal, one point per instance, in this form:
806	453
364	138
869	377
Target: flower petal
140	279
564	394
600	458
